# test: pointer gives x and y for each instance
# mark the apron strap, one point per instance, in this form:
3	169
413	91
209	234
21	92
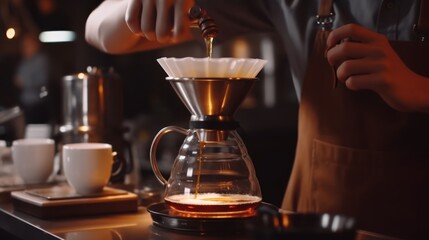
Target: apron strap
421	28
325	15
325	7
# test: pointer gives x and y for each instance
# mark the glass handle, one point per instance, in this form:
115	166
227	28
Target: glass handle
154	146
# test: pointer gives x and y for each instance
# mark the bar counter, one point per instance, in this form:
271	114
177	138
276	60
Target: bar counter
128	226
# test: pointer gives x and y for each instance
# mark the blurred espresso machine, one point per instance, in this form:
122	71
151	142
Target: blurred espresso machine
92	111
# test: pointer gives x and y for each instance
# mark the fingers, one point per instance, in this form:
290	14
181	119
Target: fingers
132	15
352	32
363	81
358	67
140	17
355	54
178	17
181	19
148	19
159	20
172	20
350	66
351	50
164	20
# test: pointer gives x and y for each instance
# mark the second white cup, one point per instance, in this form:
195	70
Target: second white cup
33	159
87	166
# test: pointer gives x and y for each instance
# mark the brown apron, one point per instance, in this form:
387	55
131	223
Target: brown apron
358	156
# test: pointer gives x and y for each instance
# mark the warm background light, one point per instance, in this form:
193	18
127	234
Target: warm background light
57	36
10	33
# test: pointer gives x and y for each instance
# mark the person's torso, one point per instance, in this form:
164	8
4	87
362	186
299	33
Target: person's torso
358	156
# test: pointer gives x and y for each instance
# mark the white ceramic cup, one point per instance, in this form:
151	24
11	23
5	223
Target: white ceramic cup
87	166
33	159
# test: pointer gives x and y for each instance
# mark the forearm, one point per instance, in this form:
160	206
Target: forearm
106	30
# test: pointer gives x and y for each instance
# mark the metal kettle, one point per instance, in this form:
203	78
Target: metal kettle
92	111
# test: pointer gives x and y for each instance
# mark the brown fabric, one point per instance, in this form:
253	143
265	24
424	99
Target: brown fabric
325	8
357	156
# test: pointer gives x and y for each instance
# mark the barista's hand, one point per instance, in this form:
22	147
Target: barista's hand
365	60
159	20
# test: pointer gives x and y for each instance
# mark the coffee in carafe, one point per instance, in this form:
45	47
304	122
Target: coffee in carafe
213	202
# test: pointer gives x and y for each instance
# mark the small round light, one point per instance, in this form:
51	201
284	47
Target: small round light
81	75
10	33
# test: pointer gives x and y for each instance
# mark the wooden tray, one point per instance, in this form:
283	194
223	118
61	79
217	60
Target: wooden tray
60	201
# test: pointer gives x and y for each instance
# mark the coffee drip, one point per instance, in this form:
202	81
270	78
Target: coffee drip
206	24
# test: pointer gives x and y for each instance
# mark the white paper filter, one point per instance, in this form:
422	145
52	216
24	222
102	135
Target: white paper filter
212	67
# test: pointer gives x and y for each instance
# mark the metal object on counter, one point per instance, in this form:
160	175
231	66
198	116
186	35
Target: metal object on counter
165	217
92	105
268	222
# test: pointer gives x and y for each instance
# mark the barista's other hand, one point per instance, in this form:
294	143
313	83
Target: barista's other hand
159	20
364	59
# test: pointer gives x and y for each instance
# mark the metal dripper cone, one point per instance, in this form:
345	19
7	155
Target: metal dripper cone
214	99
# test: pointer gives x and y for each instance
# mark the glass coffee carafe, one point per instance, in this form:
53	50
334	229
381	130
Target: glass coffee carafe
212	173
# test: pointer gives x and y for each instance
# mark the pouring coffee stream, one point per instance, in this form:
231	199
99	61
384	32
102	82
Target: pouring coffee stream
208	31
207	26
